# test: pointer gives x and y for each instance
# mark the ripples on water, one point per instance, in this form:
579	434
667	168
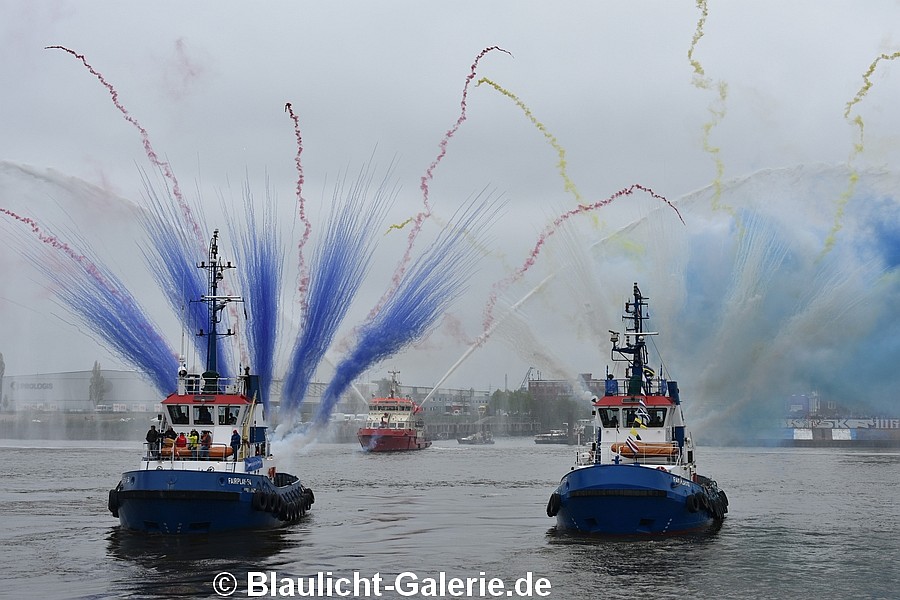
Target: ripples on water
804	523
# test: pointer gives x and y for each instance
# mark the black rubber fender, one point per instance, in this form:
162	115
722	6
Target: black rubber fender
553	504
258	501
113	503
692	503
312	497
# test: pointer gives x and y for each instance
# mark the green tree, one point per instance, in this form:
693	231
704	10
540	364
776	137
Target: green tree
5	400
518	402
97	389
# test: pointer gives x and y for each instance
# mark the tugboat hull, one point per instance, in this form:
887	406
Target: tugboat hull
180	502
633	500
209	467
391	441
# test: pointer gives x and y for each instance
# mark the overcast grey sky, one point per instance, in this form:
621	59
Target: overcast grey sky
382	81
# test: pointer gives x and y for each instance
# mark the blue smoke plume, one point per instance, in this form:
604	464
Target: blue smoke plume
751	308
428	288
260	264
103	303
172	259
338	267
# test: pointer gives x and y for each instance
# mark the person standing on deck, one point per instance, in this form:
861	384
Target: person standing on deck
205	444
235	443
193	441
180	443
153	442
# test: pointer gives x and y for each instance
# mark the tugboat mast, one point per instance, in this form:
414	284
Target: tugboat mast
394	389
635	349
215	271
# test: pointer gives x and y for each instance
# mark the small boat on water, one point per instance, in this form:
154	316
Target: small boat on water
640	475
394	424
225	478
477	438
554	436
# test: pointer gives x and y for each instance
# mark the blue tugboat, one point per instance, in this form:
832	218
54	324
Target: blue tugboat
218	474
639	477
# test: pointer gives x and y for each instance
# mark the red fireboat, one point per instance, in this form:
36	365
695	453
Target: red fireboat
394	424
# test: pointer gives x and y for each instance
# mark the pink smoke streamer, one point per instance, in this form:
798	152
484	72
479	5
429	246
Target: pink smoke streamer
550	230
420	217
148	147
301	207
55	242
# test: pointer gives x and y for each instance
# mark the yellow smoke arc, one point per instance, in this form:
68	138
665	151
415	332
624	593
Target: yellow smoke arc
716	109
399	225
560	151
858	147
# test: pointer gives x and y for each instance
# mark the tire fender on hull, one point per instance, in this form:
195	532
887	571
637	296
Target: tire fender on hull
692	503
553	504
113	502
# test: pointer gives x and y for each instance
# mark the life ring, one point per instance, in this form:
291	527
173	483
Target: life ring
662	469
553	504
272	473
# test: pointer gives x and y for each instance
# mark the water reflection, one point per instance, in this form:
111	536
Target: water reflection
559	536
637	563
157	565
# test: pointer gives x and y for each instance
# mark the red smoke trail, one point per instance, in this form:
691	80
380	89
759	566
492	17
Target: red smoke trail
301	204
148	148
420	217
550	230
429	173
55	242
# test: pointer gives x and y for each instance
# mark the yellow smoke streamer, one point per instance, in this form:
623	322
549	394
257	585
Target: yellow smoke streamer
858	147
716	109
399	225
560	151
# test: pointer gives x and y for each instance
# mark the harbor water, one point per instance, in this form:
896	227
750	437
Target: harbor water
803	523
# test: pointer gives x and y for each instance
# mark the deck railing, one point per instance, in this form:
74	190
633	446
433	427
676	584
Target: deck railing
150	462
653	387
216	453
655	453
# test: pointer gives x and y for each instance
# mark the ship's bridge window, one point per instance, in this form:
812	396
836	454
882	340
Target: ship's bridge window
228	415
657	416
178	414
202	415
609	417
